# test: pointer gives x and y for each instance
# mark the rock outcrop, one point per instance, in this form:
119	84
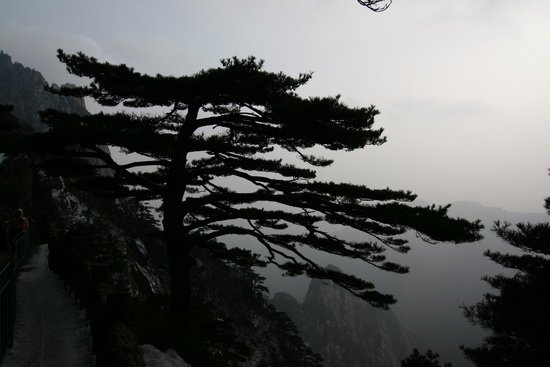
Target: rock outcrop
23	88
155	358
345	330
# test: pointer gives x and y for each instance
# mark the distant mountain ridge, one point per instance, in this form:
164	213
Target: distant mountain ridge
488	214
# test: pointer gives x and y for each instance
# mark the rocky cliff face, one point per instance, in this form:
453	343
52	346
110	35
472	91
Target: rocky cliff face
23	88
346	331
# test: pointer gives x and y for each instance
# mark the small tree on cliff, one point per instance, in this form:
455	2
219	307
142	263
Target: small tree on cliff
204	132
417	359
519	314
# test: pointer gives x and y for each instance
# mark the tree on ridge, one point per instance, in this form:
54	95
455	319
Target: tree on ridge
225	123
428	359
518	315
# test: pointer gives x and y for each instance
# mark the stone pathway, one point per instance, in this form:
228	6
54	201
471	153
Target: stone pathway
50	330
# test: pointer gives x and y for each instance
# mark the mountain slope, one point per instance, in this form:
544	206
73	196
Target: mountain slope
347	331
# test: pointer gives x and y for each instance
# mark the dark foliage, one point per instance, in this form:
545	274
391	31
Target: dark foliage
7	120
429	359
216	334
518	315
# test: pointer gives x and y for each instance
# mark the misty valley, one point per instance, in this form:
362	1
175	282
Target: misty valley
428	314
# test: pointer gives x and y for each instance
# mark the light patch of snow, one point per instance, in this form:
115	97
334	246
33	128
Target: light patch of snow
154	282
73	210
155	358
141	247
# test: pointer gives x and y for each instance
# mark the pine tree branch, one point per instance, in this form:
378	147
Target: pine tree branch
108	160
157	163
160	162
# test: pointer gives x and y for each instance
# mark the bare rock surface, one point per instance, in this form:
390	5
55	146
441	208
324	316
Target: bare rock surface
155	358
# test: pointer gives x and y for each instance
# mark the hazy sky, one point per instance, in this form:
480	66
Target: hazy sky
463	86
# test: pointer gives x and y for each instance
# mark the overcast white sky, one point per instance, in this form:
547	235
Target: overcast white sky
463	86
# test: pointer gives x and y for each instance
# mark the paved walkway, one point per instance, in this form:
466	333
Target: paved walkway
50	330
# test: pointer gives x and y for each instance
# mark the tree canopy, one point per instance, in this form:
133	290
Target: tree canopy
518	315
214	143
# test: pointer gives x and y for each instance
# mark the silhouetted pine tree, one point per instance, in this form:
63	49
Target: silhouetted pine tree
518	315
203	132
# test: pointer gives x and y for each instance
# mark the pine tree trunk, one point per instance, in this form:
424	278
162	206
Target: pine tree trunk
178	250
180	263
177	242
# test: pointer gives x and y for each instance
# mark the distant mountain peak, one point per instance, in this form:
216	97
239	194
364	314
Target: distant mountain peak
488	214
23	88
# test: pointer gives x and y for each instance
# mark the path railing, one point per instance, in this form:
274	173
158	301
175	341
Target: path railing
8	277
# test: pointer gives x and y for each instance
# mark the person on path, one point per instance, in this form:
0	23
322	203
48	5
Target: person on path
22	221
18	226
